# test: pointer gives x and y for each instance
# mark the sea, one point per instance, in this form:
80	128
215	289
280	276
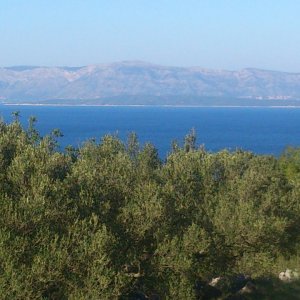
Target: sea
260	130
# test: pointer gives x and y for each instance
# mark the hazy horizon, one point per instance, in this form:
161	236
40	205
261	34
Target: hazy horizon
218	34
143	62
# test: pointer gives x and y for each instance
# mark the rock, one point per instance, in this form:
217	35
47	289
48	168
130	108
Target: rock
214	282
282	276
289	275
230	283
206	291
248	288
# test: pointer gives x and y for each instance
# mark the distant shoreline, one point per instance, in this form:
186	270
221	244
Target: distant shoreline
145	105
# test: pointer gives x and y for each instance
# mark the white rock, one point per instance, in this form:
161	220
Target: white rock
282	276
215	281
289	274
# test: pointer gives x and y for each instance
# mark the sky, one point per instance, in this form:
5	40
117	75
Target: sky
214	34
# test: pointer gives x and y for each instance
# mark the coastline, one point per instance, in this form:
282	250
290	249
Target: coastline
145	105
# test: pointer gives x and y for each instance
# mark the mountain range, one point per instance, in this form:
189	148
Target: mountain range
140	83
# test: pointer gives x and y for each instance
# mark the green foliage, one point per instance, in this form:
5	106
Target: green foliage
290	163
112	221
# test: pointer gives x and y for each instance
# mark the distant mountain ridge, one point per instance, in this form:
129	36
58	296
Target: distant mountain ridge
144	83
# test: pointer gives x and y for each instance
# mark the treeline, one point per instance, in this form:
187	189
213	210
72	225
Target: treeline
111	220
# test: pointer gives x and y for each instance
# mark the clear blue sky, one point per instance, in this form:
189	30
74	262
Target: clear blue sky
219	34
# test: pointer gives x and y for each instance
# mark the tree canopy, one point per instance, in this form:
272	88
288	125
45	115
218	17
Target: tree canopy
111	220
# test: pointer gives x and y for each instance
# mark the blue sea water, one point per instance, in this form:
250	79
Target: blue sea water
261	130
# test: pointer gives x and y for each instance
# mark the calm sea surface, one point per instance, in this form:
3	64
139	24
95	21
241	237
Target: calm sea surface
262	130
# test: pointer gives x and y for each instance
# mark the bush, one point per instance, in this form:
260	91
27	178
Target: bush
111	220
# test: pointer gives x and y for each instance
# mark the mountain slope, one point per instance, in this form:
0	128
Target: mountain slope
143	83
